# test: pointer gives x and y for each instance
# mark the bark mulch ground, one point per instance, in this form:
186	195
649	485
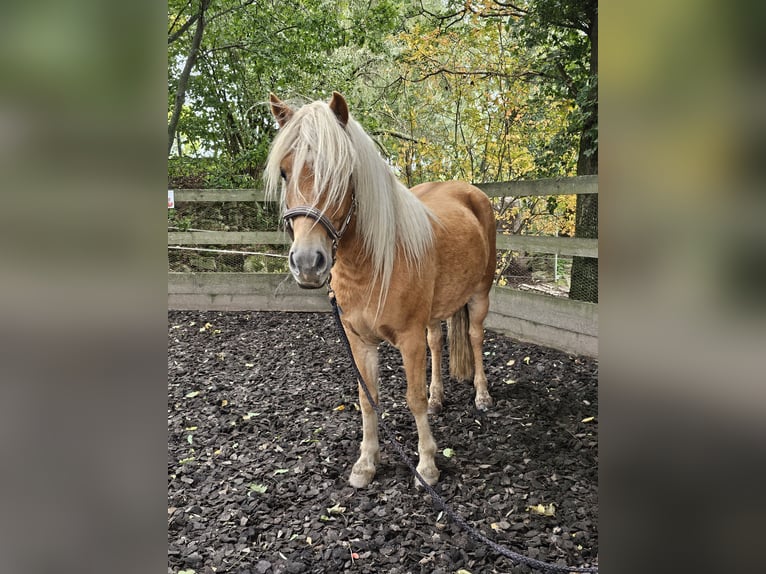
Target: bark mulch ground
263	428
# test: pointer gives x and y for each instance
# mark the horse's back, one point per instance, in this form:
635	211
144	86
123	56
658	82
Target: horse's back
442	196
461	209
464	242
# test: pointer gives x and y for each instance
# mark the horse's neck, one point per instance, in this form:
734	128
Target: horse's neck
352	274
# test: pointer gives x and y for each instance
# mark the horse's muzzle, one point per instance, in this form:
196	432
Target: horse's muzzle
310	267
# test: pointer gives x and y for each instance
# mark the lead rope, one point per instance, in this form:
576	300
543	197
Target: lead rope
440	502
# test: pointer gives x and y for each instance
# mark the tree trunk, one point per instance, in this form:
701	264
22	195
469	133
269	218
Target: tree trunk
584	284
183	79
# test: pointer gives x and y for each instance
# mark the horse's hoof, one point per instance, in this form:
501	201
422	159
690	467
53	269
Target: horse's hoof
484	402
434	408
361	476
430	475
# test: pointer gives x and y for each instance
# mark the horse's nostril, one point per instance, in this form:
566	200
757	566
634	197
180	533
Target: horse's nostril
291	260
320	260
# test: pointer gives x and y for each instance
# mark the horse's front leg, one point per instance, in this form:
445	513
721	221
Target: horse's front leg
366	357
413	349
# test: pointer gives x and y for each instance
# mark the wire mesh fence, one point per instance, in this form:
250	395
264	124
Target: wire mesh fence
225	216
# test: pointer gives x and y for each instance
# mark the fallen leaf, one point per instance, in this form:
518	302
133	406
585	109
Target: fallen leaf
249	365
510	382
337	509
309	540
549	510
189	439
588	419
526	360
448	452
354	556
511	362
340	408
224	402
191	395
259	488
281	470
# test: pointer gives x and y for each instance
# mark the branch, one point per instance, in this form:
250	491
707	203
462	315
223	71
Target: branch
398	135
178	16
442	70
512	5
232	9
188	24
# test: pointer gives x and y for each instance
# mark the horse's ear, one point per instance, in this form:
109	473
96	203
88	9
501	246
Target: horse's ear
339	106
280	110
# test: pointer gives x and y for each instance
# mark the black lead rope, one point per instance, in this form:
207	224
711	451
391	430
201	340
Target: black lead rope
440	502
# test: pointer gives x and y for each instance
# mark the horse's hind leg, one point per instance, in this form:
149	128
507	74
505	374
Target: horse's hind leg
436	390
413	349
366	357
478	307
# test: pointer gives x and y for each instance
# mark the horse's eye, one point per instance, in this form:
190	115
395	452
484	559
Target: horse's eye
283	174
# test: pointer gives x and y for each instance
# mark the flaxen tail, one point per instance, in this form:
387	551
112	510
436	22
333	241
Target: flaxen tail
460	352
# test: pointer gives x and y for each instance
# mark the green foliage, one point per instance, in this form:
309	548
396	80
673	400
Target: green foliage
208	172
471	90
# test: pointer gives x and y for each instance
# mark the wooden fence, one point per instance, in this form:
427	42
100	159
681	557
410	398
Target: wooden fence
561	323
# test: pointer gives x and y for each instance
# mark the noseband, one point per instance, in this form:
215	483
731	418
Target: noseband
318	216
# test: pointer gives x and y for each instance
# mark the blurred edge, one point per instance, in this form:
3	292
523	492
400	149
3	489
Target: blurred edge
683	262
82	273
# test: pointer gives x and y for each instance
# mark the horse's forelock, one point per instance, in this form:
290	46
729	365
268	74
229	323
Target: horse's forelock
315	138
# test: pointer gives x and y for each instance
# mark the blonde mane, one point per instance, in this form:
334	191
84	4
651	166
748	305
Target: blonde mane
389	216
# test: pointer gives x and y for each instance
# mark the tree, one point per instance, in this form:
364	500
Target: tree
566	35
584	283
197	18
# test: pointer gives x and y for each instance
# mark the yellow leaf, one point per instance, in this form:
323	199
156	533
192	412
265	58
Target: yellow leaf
549	510
510	382
309	541
340	408
224	402
511	362
588	419
337	509
526	360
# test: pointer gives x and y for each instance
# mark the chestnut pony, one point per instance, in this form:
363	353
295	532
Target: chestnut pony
401	260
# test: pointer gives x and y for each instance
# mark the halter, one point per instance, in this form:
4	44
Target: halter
318	216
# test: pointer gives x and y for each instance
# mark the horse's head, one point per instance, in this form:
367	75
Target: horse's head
314	157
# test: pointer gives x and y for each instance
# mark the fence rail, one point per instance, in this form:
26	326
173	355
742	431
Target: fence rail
571	326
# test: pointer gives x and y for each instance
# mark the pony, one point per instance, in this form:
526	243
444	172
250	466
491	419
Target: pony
398	260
